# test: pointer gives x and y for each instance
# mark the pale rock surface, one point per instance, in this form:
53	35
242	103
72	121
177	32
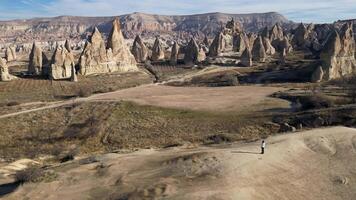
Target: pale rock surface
121	53
338	54
10	54
4	71
61	64
96	58
37	61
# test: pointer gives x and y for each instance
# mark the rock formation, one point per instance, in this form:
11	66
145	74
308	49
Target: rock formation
246	58
174	54
282	57
73	77
193	54
139	50
300	36
265	33
258	51
233	27
4	71
206	41
96	58
276	33
61	64
240	42
317	75
282	44
201	55
68	46
121	53
157	50
218	45
251	39
270	50
338	54
37	61
10	54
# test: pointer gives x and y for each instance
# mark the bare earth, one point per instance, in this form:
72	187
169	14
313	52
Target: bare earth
310	165
234	99
238	98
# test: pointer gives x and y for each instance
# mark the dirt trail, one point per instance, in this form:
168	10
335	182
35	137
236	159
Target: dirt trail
194	98
310	165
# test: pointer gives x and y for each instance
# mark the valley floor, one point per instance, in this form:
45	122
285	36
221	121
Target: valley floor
309	165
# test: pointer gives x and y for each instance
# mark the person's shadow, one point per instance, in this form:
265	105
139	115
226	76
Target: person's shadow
245	152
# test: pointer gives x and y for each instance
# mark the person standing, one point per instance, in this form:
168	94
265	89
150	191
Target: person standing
263	146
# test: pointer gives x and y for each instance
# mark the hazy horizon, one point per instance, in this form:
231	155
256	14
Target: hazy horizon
320	11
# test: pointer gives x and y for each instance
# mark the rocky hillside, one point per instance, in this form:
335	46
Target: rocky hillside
71	26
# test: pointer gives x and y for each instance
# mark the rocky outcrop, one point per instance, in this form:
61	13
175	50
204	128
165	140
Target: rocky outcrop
37	62
133	24
121	53
282	57
96	58
246	58
258	51
206	42
270	50
62	64
157	50
232	27
240	42
174	54
317	75
218	45
276	33
139	50
201	55
191	55
73	77
251	39
265	33
10	54
68	46
301	35
338	54
4	71
280	45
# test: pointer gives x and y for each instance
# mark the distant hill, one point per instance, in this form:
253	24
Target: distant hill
135	23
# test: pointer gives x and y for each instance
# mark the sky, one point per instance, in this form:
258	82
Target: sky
316	11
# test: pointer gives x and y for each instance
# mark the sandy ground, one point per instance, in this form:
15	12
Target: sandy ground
310	165
238	98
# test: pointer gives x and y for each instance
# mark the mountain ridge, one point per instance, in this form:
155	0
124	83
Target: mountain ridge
133	24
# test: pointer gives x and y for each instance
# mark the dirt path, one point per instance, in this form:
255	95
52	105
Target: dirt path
241	98
310	165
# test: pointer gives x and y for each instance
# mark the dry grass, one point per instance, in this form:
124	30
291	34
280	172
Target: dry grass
100	127
30	90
